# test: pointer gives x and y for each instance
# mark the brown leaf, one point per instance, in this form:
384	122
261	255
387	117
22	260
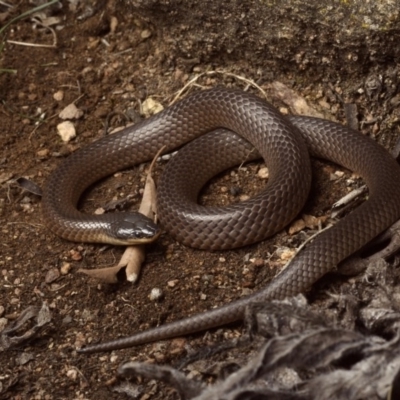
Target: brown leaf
297	104
297	226
133	256
313	222
107	275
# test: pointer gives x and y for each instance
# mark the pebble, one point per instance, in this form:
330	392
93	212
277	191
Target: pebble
150	107
59	95
75	255
114	358
173	283
66	130
284	110
285	254
338	174
205	277
43	153
145	34
72	374
263	173
71	112
26	200
3	323
65	268
113	24
323	103
67	320
52	275
155	294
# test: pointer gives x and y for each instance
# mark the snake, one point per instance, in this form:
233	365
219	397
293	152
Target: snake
220	127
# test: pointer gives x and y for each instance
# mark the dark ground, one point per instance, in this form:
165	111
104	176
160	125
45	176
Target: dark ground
101	78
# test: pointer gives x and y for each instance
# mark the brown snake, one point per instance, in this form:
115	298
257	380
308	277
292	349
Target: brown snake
281	141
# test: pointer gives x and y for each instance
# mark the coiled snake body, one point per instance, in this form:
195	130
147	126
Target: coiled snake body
281	141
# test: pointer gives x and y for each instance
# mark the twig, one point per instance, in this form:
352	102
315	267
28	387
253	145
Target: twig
3	3
28	44
53	32
26	14
197	77
19	17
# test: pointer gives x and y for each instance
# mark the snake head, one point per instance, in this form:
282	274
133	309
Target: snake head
134	228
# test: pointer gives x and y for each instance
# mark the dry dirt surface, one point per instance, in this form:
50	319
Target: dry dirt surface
109	64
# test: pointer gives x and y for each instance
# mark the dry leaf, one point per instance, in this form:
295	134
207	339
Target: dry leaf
106	275
313	222
71	111
297	226
297	104
133	256
5	176
27	326
132	259
306	221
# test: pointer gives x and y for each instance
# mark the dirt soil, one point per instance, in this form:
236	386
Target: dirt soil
110	63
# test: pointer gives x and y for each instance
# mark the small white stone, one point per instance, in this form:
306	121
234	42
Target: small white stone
263	173
113	24
3	323
150	107
71	112
155	294
65	268
114	358
72	374
146	33
58	96
66	130
285	254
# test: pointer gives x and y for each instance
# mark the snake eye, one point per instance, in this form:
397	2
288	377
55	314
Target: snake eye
135	228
